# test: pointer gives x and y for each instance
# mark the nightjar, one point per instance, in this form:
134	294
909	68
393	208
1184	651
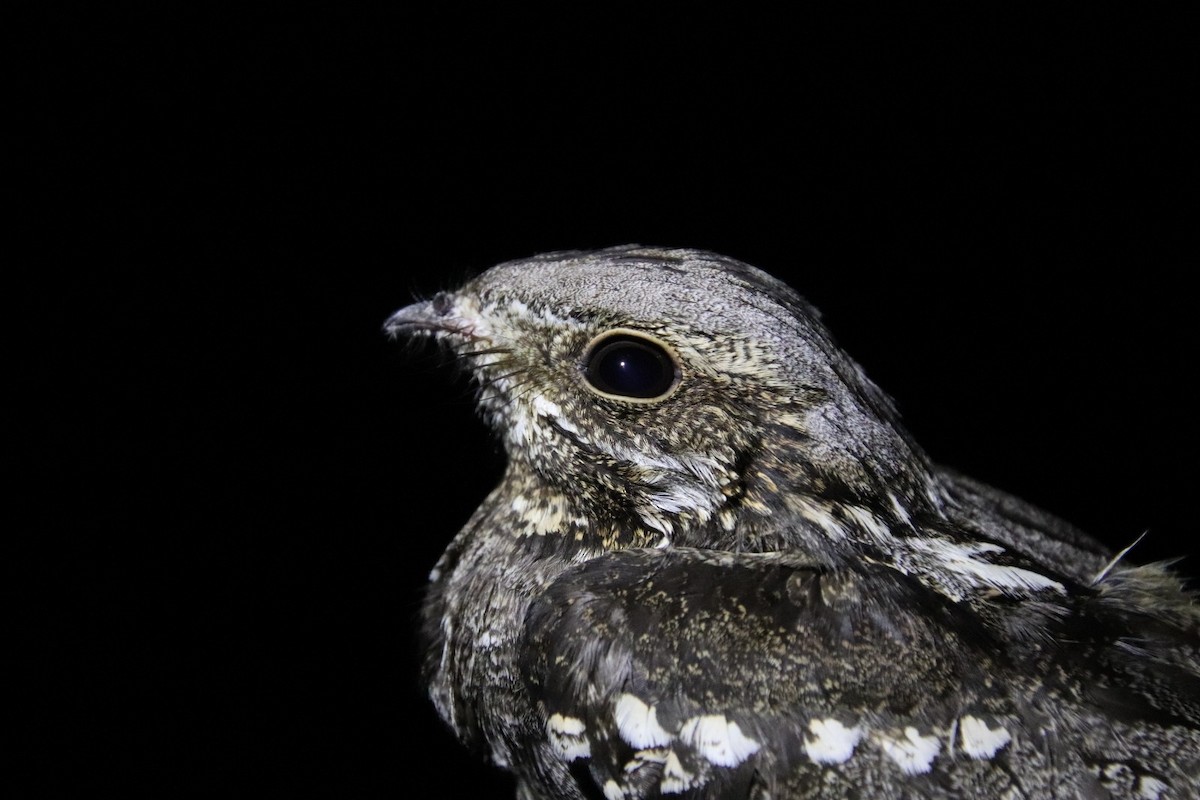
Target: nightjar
717	566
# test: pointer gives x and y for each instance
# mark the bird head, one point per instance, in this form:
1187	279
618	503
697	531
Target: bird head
677	389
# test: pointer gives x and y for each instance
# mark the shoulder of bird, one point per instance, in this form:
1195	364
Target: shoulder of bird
718	566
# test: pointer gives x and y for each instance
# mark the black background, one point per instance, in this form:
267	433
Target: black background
243	484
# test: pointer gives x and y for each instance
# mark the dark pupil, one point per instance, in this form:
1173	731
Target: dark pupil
630	367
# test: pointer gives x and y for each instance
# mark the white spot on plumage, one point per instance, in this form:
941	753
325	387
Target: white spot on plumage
868	521
650	517
901	512
967	562
1149	788
675	779
569	749
641	758
718	740
977	740
817	515
684	497
572	726
686	484
566	737
638	723
831	741
963	560
913	753
612	791
548	408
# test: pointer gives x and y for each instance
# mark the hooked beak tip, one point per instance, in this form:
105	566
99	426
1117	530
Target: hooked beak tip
426	317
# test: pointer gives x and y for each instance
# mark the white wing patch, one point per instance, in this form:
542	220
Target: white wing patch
913	753
718	740
977	740
638	723
831	741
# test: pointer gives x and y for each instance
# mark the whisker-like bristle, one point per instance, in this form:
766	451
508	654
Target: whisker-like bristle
520	395
495	379
487	351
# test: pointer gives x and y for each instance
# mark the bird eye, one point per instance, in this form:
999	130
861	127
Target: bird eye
630	365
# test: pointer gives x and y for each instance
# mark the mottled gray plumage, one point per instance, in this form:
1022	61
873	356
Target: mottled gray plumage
717	566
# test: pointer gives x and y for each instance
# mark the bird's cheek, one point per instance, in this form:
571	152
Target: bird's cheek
539	426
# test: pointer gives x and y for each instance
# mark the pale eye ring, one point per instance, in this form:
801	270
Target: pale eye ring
630	365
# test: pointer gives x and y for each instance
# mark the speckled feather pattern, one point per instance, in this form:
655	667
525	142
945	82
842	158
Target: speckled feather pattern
754	584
